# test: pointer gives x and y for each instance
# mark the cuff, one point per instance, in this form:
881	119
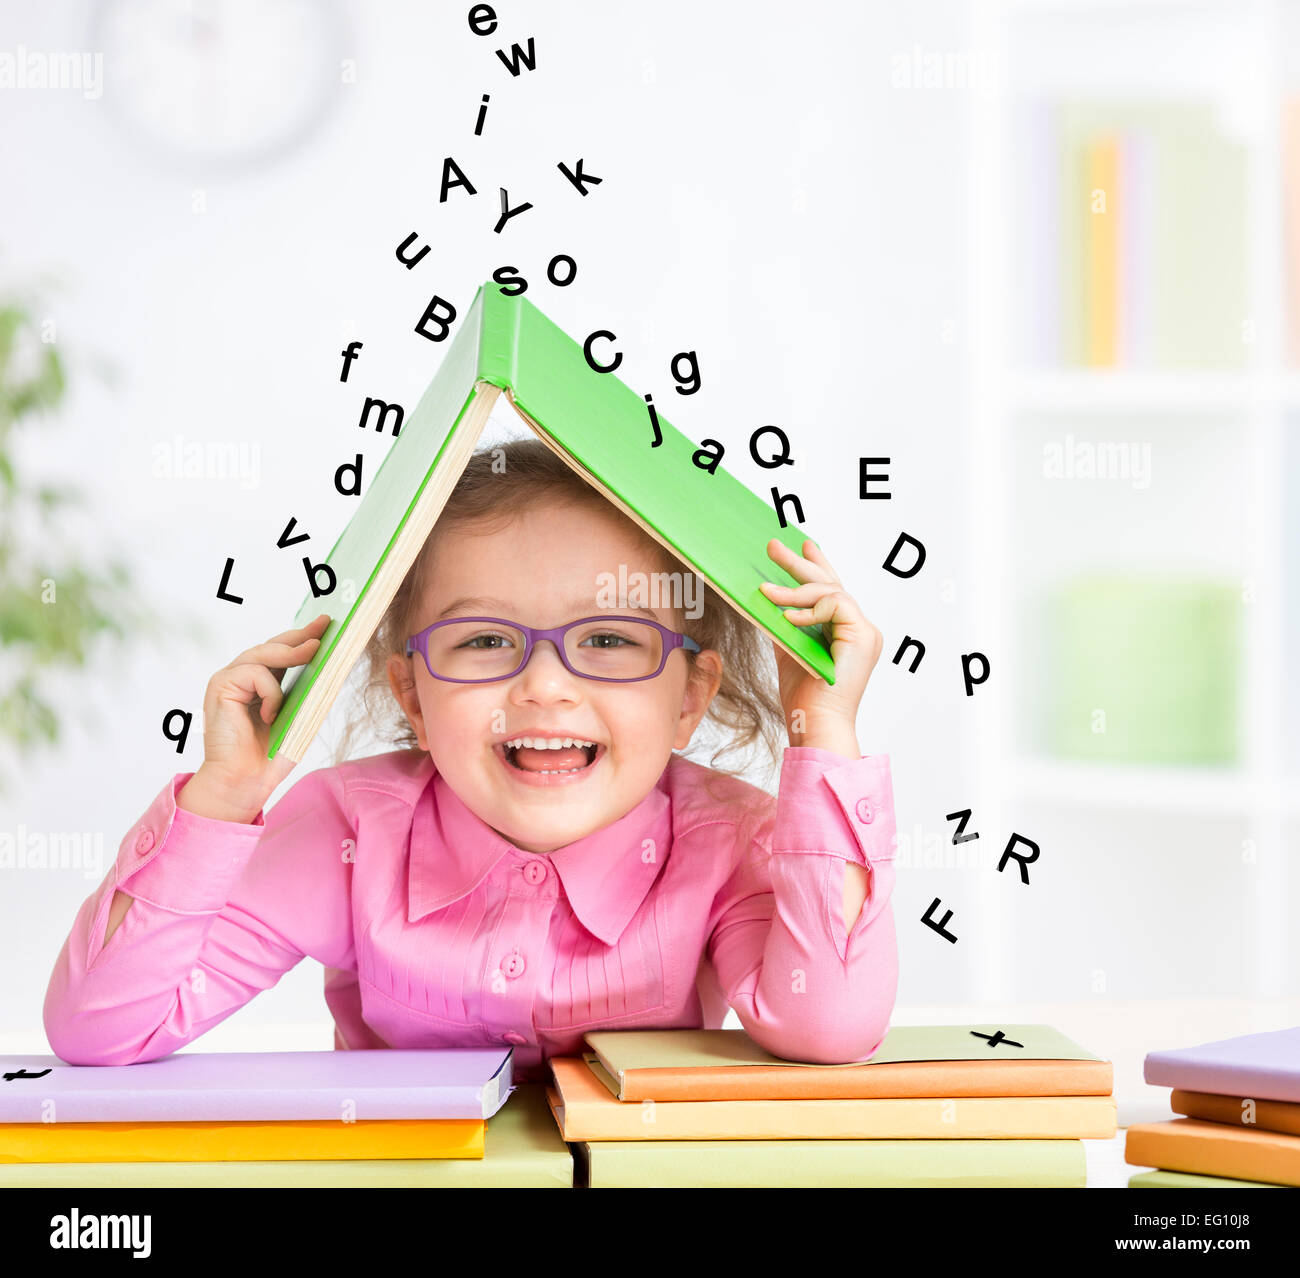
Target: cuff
181	861
831	804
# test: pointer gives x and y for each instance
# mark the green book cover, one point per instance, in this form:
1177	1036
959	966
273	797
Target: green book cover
1189	1180
621	1050
602	428
831	1164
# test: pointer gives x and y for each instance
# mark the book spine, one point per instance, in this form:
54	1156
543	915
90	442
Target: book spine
1101	284
498	338
1201	1151
234	1142
1047	234
980	1118
1291	190
837	1163
1072	197
883	1082
275	1105
1262	1082
1136	250
554	1171
1238	1111
1040	278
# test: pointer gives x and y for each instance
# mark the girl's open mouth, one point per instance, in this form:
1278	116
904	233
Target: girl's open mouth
549	776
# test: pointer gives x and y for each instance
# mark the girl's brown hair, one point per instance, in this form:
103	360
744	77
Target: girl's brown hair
496	485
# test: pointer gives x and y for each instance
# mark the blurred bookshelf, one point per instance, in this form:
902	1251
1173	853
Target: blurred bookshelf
1135	519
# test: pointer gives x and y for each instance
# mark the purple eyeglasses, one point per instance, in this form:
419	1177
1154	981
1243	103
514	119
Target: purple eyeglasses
642	652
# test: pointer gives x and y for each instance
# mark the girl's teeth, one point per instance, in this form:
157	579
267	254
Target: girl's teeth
560	743
543	743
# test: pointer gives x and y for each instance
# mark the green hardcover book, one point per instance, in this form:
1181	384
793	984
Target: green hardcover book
601	428
1189	1180
831	1164
522	1149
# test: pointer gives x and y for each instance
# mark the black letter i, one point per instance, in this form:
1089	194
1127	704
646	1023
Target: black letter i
482	111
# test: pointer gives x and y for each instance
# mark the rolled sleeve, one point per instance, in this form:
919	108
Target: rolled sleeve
181	861
222	909
803	987
829	804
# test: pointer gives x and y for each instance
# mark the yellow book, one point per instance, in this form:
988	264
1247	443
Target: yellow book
586	1111
1101	253
213	1142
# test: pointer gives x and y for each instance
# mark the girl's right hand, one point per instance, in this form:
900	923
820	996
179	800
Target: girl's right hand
240	704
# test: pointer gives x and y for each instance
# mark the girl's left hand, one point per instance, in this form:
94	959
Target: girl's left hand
855	645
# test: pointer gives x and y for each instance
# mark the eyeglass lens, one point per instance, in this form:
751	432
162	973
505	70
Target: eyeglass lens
603	649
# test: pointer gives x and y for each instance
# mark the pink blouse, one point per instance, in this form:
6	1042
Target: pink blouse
436	932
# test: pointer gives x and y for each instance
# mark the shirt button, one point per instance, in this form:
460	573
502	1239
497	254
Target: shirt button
534	872
145	842
865	814
514	1038
513	966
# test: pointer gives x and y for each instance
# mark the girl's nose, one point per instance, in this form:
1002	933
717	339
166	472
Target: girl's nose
552	663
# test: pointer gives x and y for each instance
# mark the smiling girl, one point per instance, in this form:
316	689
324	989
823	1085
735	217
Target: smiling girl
537	858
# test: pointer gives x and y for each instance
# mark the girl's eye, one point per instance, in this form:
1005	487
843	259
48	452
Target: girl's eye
473	643
619	640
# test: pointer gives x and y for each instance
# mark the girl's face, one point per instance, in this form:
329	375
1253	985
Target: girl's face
544	569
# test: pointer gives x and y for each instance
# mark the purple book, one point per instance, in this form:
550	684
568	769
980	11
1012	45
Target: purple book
1263	1066
259	1086
1037	296
1136	244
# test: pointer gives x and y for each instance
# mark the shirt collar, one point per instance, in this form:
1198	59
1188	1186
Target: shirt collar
606	874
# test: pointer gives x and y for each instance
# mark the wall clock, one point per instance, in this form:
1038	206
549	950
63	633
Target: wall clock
232	82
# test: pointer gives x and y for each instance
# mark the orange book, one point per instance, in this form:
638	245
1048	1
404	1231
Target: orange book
1238	1111
862	1082
586	1111
1215	1149
1101	252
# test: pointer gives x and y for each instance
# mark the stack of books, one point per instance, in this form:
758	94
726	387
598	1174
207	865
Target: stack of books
937	1105
1133	234
338	1118
1241	1098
